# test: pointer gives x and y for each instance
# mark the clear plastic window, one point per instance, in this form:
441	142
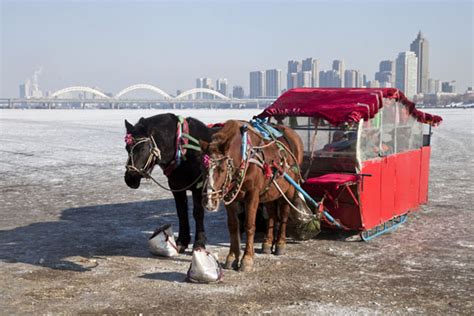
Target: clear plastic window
389	119
325	141
409	132
392	130
370	140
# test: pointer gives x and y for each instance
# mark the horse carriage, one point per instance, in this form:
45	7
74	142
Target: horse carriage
366	154
359	157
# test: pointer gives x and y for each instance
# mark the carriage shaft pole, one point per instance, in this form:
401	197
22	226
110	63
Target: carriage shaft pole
310	199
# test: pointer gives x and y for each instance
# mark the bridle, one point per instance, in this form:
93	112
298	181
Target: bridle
227	184
153	156
234	178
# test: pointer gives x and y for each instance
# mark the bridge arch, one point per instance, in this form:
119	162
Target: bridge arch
79	89
201	90
143	86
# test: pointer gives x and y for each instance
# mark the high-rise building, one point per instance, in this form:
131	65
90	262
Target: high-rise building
448	87
312	65
338	66
199	82
25	90
406	70
221	86
387	65
373	84
364	80
238	92
352	79
257	84
272	82
329	78
205	83
434	86
293	68
305	79
420	47
292	80
386	73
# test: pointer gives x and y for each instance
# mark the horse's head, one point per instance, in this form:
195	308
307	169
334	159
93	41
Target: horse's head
143	153
219	161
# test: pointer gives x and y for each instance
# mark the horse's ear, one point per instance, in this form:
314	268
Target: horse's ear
204	146
128	126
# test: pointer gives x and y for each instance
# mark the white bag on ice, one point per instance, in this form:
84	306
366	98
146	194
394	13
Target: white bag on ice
162	242
205	267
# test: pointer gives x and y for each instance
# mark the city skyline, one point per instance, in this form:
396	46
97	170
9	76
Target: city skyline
103	62
409	73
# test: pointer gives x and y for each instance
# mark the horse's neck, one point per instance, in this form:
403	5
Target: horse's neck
199	130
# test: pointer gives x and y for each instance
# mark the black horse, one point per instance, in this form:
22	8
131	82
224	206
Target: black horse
172	143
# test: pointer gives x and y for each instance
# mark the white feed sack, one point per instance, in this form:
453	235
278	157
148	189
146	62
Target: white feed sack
205	267
162	242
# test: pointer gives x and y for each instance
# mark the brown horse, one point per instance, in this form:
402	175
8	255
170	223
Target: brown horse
251	174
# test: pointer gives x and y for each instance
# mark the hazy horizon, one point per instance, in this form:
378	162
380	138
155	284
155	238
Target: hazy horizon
112	45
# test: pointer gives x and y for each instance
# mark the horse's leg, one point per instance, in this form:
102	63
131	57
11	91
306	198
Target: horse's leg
232	260
252	200
268	241
184	236
280	248
198	214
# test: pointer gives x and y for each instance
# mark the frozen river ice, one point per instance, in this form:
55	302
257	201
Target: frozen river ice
73	235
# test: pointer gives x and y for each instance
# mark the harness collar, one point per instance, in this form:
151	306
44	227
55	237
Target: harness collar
180	151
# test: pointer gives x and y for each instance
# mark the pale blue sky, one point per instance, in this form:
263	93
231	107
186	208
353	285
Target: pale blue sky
113	44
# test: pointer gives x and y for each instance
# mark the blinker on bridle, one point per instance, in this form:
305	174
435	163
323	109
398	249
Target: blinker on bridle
154	154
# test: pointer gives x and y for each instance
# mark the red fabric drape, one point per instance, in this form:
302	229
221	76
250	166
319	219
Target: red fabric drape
340	105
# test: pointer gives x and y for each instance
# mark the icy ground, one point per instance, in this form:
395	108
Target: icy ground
73	235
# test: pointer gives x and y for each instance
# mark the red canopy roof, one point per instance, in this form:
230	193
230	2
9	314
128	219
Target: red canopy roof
340	105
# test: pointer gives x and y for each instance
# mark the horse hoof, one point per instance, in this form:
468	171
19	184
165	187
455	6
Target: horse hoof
181	248
246	266
266	248
231	263
199	245
280	250
200	241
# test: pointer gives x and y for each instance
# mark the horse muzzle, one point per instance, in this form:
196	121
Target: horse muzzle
132	179
210	203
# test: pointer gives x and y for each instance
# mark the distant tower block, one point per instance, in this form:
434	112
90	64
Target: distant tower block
420	47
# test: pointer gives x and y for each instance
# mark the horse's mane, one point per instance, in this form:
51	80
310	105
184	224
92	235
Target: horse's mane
198	123
225	134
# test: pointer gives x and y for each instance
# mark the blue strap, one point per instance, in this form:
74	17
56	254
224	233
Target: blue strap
310	199
244	142
265	129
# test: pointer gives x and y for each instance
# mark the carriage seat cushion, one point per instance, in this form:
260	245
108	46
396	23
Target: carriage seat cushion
332	180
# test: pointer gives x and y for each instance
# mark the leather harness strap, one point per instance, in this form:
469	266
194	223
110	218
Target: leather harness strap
182	145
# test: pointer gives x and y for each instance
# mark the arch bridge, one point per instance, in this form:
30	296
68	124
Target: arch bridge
79	89
196	92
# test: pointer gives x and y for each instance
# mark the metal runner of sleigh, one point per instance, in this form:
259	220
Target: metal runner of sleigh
367	152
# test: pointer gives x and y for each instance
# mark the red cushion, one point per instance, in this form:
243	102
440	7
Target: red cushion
332	180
